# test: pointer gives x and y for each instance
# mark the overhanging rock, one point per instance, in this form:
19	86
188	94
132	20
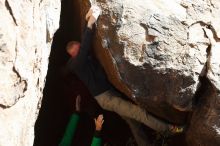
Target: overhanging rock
155	51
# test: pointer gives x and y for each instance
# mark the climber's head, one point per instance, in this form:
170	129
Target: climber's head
72	48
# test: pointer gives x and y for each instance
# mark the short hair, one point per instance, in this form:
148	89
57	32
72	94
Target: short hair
70	44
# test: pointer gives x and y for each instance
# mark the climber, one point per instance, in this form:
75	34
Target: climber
91	73
71	127
88	69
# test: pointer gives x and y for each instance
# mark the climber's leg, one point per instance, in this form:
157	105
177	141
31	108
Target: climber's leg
127	109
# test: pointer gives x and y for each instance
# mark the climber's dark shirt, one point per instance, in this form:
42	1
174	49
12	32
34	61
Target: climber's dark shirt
88	70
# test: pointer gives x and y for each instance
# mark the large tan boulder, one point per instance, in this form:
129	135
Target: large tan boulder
155	51
26	32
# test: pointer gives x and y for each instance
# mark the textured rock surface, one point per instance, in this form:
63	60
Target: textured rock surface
154	52
158	49
26	31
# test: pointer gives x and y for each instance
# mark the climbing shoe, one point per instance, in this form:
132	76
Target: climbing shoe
174	129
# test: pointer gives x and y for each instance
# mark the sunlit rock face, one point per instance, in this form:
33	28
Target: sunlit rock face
26	32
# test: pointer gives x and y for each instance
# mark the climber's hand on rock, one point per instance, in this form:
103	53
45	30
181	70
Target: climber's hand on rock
92	15
89	13
78	100
91	21
98	122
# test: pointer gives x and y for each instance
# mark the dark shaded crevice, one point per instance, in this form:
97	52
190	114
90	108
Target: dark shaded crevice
56	108
204	117
48	39
204	83
40	2
199	100
208	51
22	93
3	106
215	36
60	91
20	79
10	11
202	105
163	139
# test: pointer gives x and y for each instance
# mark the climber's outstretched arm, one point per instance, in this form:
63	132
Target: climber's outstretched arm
80	60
